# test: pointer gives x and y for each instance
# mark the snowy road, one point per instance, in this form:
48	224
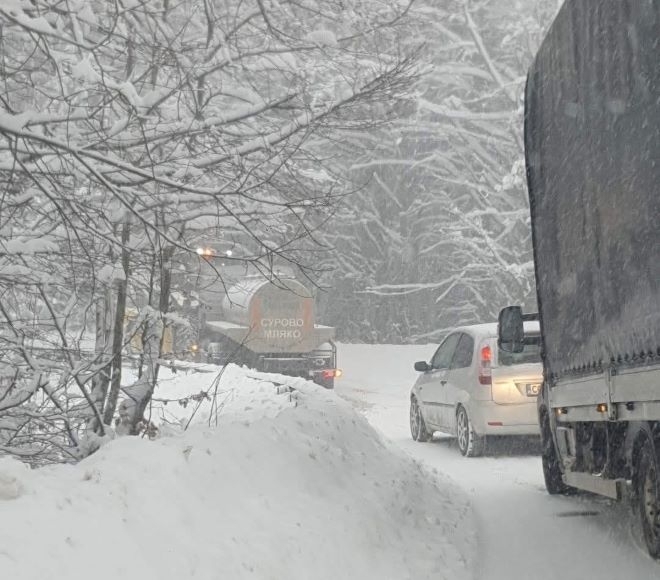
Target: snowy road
523	533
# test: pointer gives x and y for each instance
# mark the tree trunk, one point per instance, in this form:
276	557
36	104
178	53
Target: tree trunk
153	346
118	331
102	348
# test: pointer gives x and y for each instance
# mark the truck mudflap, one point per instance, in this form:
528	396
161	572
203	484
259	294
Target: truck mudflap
612	488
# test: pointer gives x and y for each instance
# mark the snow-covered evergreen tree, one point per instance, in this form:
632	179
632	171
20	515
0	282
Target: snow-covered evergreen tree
442	235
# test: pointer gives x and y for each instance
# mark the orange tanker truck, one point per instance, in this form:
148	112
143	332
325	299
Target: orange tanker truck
269	326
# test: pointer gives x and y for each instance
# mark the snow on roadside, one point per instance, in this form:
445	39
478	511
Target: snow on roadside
232	393
290	485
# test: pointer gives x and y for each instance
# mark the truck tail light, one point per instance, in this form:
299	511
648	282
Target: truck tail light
331	373
485	358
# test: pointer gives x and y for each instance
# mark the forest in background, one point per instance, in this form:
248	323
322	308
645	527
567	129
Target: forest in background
439	235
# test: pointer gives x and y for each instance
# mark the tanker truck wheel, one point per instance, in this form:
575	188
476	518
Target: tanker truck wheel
551	469
647	492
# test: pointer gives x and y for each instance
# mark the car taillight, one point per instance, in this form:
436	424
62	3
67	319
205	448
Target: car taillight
485	357
331	373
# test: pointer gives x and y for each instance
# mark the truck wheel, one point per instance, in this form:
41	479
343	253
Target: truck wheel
417	424
469	443
551	469
647	491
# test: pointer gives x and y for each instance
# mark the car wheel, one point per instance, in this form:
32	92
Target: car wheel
469	443
552	474
417	424
647	492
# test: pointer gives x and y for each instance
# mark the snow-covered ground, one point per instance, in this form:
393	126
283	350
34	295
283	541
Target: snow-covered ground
522	533
288	485
274	483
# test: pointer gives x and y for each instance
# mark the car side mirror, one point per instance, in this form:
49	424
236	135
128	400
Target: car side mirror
510	329
422	366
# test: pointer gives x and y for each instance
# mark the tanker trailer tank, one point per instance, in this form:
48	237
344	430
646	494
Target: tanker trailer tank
270	326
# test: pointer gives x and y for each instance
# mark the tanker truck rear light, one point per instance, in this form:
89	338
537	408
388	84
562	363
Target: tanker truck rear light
485	357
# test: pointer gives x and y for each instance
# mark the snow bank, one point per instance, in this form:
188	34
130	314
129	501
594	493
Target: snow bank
290	485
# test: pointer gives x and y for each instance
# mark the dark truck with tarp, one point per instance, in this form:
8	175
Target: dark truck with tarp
592	148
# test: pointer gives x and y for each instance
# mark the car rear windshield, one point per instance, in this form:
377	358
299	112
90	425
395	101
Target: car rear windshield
531	353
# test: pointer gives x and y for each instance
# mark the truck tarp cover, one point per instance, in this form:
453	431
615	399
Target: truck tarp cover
592	140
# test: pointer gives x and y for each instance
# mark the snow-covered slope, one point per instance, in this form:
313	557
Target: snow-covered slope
289	485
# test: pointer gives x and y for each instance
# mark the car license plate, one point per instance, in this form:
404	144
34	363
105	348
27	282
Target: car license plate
533	390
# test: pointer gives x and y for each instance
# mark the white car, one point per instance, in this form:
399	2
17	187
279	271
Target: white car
471	389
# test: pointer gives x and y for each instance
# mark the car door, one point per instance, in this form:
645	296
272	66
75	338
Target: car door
432	389
458	380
